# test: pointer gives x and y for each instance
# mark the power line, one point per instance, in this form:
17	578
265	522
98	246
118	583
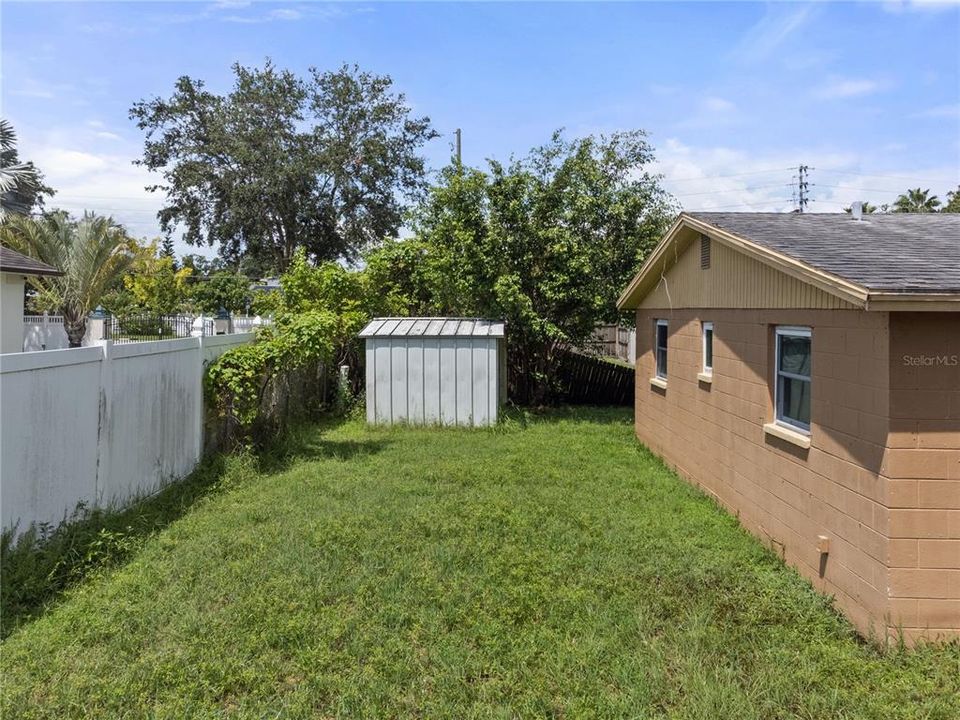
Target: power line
711	177
924	181
731	190
853	187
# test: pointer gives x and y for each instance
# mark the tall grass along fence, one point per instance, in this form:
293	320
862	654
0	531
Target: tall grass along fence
99	426
585	380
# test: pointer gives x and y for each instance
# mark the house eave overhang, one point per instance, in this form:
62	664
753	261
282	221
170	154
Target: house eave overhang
913	302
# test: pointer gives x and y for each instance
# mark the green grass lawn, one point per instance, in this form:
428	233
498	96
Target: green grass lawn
548	568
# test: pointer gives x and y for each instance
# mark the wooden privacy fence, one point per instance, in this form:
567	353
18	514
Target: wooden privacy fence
586	380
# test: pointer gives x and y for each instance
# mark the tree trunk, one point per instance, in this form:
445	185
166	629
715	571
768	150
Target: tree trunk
76	328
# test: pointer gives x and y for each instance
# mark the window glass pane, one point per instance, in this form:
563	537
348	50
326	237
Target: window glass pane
661	336
661	349
795	355
795	399
708	348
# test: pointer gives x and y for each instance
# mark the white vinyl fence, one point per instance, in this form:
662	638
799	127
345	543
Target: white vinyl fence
100	425
45	332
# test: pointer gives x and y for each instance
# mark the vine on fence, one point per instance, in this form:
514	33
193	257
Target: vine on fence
236	381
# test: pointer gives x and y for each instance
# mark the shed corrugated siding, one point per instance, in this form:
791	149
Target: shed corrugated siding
734	280
424	380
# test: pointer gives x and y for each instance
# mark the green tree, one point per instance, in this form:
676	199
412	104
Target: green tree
325	163
21	184
953	202
916	201
167	250
223	289
547	242
92	252
155	282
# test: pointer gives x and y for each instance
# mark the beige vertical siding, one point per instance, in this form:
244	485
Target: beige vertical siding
734	280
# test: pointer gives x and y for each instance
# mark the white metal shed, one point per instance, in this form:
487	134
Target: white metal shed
435	370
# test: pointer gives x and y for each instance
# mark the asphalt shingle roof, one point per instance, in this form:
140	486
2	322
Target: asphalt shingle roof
12	261
907	253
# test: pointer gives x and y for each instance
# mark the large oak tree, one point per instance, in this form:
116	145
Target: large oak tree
547	241
327	162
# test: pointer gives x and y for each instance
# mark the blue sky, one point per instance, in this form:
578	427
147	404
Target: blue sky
734	95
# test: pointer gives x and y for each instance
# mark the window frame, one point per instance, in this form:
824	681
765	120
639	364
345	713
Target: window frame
658	323
706	327
782	331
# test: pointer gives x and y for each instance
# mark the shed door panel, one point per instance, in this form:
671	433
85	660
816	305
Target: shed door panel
415	389
431	380
481	372
448	381
398	381
464	382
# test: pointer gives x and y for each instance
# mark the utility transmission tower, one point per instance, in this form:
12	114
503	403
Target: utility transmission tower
803	187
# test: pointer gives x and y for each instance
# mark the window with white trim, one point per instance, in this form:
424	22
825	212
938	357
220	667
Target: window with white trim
792	380
707	332
660	347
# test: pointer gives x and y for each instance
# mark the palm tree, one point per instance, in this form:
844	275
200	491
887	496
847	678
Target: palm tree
916	201
19	182
953	202
92	253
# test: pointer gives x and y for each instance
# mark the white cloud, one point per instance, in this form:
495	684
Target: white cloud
779	22
718	105
711	111
941	111
67	164
838	88
86	177
285	14
719	178
901	6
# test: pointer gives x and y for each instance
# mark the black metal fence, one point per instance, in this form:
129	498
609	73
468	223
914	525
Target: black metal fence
144	326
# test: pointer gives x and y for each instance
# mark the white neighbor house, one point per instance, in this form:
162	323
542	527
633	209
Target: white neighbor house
14	269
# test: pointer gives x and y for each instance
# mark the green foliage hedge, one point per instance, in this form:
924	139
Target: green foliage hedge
317	314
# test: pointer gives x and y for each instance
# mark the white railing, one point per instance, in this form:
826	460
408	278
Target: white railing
126	418
46	332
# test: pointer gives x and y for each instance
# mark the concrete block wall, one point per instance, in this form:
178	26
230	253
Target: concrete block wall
923	466
713	434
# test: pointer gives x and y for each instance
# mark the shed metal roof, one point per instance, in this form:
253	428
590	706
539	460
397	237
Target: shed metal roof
433	327
895	252
14	262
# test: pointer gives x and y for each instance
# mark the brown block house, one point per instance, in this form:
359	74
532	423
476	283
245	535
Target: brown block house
804	370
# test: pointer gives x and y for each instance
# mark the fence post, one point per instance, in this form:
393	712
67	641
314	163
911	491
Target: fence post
104	415
199	410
